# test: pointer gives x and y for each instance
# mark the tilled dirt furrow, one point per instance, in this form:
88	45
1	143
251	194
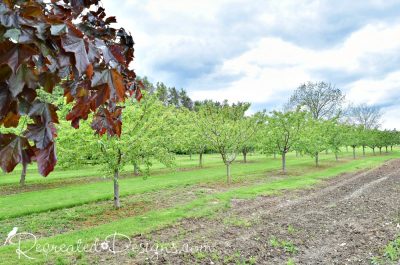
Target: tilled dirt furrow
344	220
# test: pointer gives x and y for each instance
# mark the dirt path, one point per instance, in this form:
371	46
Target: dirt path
345	220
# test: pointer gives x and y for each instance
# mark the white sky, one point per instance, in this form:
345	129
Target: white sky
260	51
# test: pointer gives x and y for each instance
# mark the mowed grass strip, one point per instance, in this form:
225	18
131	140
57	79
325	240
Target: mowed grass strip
91	174
85	172
203	206
70	196
33	177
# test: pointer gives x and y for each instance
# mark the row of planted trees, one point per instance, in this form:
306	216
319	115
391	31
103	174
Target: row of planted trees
297	131
154	131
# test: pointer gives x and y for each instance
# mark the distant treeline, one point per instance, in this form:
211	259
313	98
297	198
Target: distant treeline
171	96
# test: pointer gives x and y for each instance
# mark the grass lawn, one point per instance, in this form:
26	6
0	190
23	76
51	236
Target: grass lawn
302	174
73	195
33	177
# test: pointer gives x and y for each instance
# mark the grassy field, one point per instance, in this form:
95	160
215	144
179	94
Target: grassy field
82	210
93	171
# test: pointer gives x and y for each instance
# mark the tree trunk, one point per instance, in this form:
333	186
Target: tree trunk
135	169
201	160
228	173
190	156
326	151
347	149
354	152
363	150
391	148
373	151
297	153
244	156
23	174
386	149
274	155
284	163
316	159
116	179
336	157
380	150
116	189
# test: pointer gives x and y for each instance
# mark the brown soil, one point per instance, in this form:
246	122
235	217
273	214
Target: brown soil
344	220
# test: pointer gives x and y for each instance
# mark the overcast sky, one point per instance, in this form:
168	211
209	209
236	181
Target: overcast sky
260	51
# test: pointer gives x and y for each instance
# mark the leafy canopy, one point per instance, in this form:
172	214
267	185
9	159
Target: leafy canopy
227	128
282	131
71	43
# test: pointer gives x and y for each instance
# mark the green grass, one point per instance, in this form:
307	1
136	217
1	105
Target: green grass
74	195
182	161
60	174
290	262
285	245
236	221
390	254
203	205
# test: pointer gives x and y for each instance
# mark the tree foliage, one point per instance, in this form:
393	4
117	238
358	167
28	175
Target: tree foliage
282	132
71	43
315	137
190	138
227	129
